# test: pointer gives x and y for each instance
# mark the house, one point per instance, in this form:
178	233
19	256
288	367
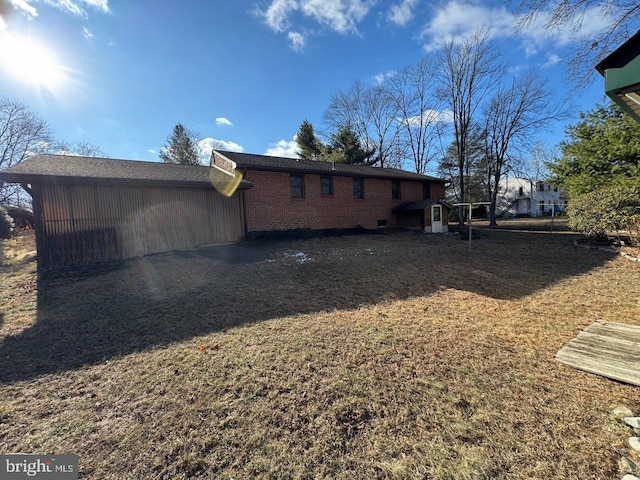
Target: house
89	210
294	193
520	197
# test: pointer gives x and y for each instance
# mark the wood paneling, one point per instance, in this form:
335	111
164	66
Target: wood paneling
86	224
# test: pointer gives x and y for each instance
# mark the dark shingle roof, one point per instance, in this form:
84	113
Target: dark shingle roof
419	205
281	164
75	169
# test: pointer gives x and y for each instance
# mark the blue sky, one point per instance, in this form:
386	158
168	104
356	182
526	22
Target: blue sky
243	74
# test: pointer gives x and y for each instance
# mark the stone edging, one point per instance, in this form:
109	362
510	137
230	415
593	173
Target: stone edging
608	250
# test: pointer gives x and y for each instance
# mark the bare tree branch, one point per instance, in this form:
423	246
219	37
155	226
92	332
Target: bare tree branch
22	134
624	21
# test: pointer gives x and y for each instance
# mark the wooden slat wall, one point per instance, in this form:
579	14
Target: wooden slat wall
87	224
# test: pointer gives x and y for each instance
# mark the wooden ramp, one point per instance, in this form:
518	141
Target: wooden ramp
608	349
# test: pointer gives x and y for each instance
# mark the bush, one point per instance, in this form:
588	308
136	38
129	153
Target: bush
6	224
606	211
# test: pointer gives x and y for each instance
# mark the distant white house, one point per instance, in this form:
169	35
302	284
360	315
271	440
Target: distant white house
520	197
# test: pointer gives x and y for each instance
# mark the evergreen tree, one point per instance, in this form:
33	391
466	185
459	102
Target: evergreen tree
181	147
345	147
309	146
603	149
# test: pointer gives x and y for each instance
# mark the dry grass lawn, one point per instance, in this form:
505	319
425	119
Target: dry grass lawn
395	356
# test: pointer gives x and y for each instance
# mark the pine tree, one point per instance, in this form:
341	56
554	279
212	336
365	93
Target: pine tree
309	146
181	147
346	148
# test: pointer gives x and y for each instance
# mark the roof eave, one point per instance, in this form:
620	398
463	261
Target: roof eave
25	178
337	173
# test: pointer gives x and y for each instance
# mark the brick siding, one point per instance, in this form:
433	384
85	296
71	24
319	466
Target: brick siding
270	206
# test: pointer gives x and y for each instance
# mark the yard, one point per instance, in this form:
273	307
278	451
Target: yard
397	356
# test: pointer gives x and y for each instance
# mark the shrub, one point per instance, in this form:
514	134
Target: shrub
6	224
606	211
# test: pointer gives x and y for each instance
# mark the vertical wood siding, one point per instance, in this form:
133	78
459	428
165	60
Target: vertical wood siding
87	224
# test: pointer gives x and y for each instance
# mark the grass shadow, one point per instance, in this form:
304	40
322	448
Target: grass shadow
93	315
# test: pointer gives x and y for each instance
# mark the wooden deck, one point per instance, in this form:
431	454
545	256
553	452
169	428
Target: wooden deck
608	349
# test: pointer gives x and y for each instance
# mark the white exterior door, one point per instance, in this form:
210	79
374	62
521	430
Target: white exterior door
436	219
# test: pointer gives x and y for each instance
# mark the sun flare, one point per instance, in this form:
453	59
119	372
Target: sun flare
28	61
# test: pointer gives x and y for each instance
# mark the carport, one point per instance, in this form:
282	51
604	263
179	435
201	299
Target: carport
89	210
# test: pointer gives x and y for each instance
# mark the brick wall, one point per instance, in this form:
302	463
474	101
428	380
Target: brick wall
270	206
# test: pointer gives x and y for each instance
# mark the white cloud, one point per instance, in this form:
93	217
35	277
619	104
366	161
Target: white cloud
402	13
277	15
283	149
595	20
207	145
342	16
87	34
297	41
431	116
152	151
380	78
223	121
76	7
24	5
98	4
552	60
458	19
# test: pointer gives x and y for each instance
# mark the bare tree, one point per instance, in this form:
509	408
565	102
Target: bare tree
468	71
22	134
82	149
539	157
420	113
514	114
383	129
623	21
371	114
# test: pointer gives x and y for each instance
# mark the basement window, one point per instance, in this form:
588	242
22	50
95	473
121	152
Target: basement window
297	186
382	223
326	186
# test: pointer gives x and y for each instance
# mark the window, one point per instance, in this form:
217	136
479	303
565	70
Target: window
358	188
395	190
297	186
382	223
436	214
555	189
326	185
541	205
541	187
426	191
521	191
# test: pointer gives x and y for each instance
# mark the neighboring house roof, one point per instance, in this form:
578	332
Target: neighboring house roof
419	205
280	164
82	170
